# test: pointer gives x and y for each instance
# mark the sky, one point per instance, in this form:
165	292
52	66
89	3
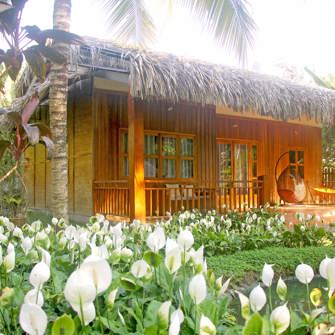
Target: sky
294	33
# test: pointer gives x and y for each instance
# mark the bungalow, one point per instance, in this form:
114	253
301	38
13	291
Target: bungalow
151	133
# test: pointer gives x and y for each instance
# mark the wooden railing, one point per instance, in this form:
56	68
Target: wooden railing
228	195
328	177
111	198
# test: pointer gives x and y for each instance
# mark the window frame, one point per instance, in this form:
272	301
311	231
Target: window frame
178	157
233	142
296	164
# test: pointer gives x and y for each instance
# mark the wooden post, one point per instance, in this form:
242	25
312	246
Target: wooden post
136	160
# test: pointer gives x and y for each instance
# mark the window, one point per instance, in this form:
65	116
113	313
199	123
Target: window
297	162
237	161
167	156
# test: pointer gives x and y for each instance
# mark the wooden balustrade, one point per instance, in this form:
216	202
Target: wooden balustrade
112	197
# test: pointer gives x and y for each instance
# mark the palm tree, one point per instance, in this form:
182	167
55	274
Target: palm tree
228	21
58	116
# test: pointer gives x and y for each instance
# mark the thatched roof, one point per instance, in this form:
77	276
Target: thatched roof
164	76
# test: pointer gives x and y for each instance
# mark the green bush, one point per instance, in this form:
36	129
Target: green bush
246	266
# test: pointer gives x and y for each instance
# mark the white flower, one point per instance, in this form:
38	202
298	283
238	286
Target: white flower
257	298
179	313
163	313
17	232
111	297
26	245
9	259
185	239
54	221
197	257
39	275
100	272
33	319
198	289
86	313
173	260
245	305
79	288
304	273
46	258
281	289
206	326
140	268
126	253
31	297
100	251
156	240
170	245
1	258
174	328
267	275
323	267
280	319
224	288
330	273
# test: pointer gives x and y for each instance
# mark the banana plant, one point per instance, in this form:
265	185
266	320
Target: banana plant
35	46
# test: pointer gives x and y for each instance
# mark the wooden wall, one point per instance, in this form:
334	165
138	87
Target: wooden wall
111	116
275	138
80	145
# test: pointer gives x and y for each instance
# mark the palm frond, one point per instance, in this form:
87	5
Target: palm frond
229	21
129	21
318	80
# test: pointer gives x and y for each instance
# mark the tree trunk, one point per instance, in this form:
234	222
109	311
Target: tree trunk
58	116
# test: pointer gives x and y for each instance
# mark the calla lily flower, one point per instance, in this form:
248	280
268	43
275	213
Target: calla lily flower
198	289
173	260
267	275
304	273
111	298
245	305
206	326
39	275
80	288
164	313
185	239
100	272
33	319
46	258
26	245
224	288
156	240
280	319
323	267
257	298
86	313
281	289
140	268
170	245
9	259
31	297
330	274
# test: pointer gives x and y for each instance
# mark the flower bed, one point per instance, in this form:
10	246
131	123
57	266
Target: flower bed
102	279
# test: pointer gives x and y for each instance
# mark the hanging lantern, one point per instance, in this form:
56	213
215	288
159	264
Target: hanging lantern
5	4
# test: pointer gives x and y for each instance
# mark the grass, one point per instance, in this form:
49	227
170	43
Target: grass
44	216
246	266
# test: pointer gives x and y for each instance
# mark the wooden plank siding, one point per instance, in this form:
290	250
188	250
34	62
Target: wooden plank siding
80	151
275	138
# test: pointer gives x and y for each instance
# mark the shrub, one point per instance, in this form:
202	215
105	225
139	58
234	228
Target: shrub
246	265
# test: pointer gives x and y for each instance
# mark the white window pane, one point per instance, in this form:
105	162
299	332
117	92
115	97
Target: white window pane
169	168
186	169
150	167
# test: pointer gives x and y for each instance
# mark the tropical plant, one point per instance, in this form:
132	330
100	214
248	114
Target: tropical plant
229	21
99	278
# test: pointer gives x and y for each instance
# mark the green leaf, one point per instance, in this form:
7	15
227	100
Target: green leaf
3	147
128	283
254	325
150	317
64	325
36	62
152	258
331	304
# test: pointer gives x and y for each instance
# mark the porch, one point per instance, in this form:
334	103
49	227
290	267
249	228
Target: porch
112	198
